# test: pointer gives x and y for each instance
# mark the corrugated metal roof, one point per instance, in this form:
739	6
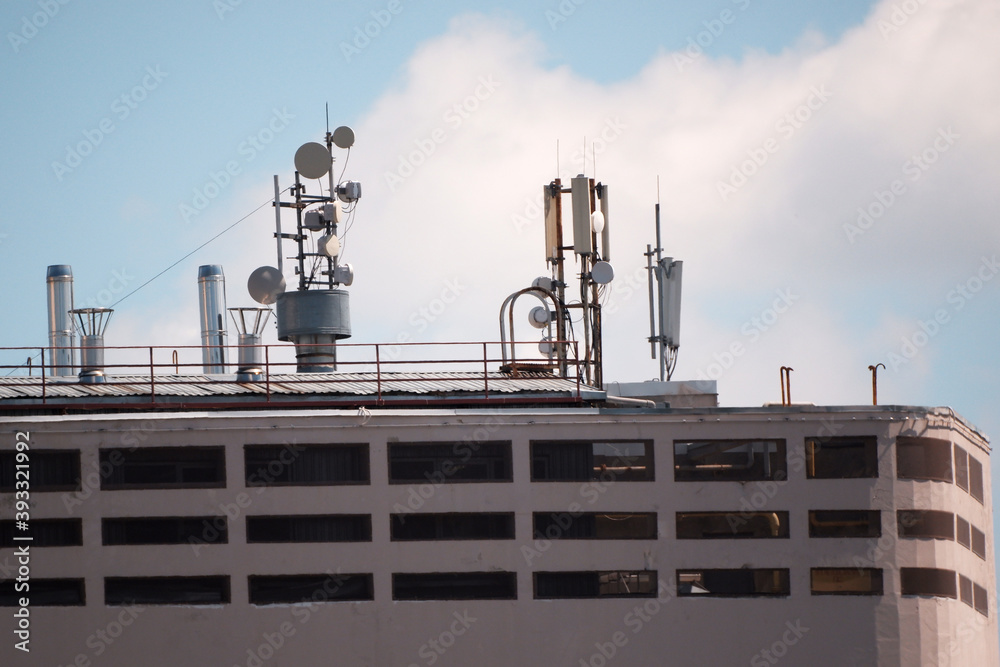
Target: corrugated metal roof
424	384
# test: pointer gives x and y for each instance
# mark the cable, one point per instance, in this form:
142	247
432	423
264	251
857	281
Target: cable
269	201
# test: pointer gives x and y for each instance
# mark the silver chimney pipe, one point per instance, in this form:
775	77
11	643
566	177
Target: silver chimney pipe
59	290
93	322
212	305
250	324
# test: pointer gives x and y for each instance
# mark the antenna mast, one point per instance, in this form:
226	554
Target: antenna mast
665	308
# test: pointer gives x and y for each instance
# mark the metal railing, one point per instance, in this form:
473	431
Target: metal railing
385	367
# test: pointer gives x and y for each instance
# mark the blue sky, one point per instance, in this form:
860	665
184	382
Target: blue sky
871	206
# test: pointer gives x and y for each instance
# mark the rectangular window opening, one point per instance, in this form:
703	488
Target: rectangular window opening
846	581
44	593
928	581
309	528
455	586
931	524
43	533
311	588
595	526
449	463
980	599
842	458
584	461
731	525
976	489
729	460
601	584
961	468
165	530
965	590
963	534
742	582
845	523
305	465
47	470
978	542
923	458
166	590
163	468
452	526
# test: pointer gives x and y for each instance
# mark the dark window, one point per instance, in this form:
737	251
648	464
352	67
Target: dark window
979	542
163	467
449	462
845	523
455	586
614	583
317	528
961	468
722	525
43	533
48	470
976	479
290	589
453	526
962	533
43	593
926	523
841	458
166	590
923	458
846	581
741	582
165	530
583	461
729	460
965	589
980	600
305	465
927	581
595	525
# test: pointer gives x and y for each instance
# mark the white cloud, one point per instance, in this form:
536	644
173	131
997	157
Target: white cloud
454	156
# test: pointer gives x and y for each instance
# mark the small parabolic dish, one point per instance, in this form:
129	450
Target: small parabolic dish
602	273
343	137
265	284
312	160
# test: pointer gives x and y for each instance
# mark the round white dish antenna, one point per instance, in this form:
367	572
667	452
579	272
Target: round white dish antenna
547	347
329	245
544	282
312	160
602	273
539	317
343	137
265	284
344	274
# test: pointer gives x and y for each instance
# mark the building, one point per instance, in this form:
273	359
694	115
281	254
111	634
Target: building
472	509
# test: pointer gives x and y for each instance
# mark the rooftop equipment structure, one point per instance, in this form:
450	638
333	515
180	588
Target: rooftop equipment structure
317	314
665	306
92	322
212	307
62	338
592	247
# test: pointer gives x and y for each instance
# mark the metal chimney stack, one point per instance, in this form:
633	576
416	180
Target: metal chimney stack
93	322
212	306
250	323
59	290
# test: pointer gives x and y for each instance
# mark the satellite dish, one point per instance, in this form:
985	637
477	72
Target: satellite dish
539	317
329	245
265	284
312	160
343	137
602	273
544	282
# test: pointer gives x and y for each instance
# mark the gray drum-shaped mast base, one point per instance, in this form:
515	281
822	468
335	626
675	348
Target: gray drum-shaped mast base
314	320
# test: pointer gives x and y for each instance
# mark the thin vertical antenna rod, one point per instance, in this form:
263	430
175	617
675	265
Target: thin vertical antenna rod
659	292
277	222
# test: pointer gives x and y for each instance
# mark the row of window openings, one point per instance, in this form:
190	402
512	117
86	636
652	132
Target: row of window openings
930	524
695	460
292	589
